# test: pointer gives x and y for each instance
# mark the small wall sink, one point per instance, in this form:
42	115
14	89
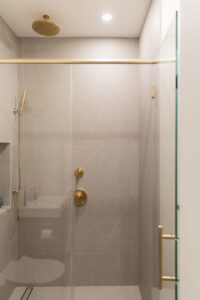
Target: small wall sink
44	207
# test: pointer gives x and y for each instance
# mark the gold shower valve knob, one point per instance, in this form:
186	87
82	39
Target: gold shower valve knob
78	172
80	197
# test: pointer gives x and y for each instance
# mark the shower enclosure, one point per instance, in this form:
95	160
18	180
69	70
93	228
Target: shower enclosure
99	175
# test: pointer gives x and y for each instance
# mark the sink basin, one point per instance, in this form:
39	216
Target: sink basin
44	207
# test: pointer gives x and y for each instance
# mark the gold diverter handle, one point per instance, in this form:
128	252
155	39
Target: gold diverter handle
78	173
80	197
162	237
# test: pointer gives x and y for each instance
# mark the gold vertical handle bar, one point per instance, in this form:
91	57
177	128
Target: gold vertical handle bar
160	252
161	237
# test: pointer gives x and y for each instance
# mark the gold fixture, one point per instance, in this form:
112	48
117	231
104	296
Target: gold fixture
85	61
19	137
80	197
20	111
17	192
15	110
78	172
153	91
161	237
22	103
45	26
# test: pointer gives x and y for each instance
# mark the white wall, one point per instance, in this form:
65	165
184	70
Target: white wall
189	149
160	15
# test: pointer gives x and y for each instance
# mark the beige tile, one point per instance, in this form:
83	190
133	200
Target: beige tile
106	293
110	216
105	105
79	48
95	269
31	242
129	267
47	168
103	111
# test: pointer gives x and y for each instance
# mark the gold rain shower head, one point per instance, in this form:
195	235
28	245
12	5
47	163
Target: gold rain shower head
45	27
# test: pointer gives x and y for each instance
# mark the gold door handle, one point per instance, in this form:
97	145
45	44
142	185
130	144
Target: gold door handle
80	197
78	172
162	237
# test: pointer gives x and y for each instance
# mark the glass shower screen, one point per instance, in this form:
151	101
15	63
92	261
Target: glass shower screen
99	167
168	113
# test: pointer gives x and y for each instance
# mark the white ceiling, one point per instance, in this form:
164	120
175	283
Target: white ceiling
77	18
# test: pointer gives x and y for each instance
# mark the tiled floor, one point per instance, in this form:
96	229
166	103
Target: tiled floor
78	293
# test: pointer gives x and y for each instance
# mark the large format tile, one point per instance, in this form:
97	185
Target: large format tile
95	109
105	105
95	269
79	48
108	222
106	293
47	169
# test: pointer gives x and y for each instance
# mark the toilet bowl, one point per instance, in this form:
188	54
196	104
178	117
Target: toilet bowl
29	271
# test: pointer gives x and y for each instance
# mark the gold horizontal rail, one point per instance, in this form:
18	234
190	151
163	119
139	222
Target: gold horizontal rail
83	61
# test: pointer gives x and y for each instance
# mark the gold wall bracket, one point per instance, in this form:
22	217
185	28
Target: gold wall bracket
15	110
162	237
15	191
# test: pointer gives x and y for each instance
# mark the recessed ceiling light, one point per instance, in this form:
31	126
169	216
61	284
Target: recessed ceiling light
106	17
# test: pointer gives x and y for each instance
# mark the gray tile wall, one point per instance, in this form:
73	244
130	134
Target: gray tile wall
105	144
47	161
100	106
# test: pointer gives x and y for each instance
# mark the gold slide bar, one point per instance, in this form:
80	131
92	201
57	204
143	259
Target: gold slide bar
18	191
83	61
